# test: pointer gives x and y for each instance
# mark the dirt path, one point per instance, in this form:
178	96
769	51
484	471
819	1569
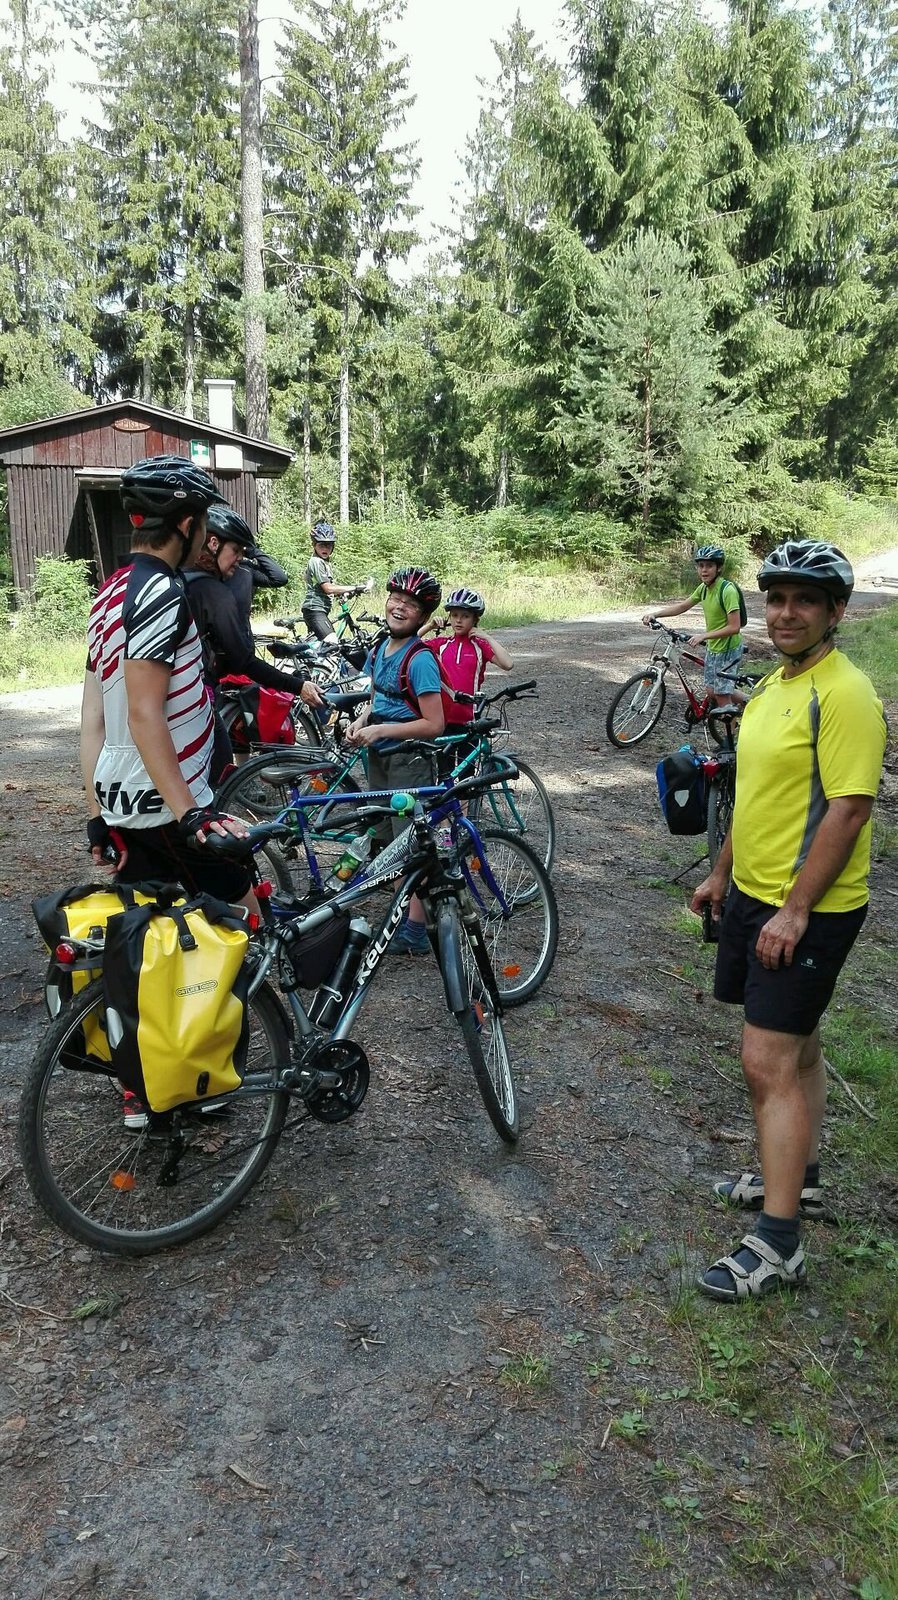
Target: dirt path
413	1364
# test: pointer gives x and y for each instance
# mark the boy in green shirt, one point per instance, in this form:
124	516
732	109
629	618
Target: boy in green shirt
719	599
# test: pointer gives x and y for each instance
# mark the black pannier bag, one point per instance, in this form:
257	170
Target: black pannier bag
683	791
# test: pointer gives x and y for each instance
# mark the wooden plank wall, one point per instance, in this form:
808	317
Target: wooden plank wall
46	515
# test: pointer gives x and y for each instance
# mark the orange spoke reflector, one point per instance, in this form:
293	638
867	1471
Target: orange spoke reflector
122	1180
475	863
477	1009
511	971
319	785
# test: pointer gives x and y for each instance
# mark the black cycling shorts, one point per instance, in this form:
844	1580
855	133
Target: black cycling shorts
160	855
318	623
786	999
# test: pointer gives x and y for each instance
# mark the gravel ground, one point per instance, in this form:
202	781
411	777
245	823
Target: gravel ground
407	1364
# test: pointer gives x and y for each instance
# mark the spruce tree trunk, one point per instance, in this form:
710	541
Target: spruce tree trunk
502	484
307	452
189	360
251	216
344	409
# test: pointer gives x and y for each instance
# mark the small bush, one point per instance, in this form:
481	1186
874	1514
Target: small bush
60	600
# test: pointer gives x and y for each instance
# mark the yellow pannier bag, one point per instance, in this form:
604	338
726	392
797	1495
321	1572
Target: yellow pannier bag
175	987
81	912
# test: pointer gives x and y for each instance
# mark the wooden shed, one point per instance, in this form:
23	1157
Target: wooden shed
63	474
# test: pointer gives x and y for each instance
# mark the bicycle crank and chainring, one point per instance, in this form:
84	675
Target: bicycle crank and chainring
339	1075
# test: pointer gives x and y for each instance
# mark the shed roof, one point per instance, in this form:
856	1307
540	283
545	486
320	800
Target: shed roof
272	459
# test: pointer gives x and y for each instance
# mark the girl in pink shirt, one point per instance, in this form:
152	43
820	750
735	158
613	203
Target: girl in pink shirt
463	656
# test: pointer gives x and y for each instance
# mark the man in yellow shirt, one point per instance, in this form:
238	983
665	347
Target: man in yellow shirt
808	767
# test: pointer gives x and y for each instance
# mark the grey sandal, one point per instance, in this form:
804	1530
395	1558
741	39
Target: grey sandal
748	1191
773	1271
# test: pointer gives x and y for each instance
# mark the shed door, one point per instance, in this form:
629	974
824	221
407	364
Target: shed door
109	527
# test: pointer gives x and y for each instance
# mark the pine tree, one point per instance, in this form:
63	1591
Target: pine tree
40	325
480	344
645	430
341	187
166	167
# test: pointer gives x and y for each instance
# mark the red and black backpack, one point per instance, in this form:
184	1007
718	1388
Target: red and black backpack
406	692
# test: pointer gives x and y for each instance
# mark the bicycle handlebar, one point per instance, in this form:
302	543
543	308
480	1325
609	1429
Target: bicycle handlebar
511	691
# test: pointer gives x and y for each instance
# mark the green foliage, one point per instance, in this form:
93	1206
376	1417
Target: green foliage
43	643
877	471
60	601
41	392
644	430
873	645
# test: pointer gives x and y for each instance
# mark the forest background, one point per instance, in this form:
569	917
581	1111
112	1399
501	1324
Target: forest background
665	313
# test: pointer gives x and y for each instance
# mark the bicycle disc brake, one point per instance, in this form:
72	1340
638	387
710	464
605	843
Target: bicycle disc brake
339	1077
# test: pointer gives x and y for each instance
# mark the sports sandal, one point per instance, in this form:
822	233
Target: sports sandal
748	1191
772	1271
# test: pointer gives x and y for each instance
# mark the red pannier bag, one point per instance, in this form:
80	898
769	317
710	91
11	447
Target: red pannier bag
261	716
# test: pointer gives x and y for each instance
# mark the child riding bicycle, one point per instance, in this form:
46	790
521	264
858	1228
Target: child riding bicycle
722	638
320	586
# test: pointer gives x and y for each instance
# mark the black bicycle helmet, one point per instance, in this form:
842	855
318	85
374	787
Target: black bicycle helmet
228	524
808	561
323	533
418	583
161	489
710	552
466	600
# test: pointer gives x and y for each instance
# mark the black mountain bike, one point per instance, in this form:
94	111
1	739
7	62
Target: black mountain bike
132	1192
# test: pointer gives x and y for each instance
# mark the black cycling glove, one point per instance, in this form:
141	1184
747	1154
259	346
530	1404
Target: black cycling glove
98	834
199	820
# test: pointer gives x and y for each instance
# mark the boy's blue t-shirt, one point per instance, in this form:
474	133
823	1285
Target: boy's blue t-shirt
387	703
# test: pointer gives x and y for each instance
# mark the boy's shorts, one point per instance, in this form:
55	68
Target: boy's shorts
399	769
787	999
718	662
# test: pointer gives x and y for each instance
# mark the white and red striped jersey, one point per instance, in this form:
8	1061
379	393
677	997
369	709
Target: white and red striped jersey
141	614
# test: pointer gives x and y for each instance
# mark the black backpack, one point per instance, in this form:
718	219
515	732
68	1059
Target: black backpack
743	612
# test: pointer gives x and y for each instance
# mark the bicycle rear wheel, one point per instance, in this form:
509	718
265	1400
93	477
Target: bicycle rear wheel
521	806
635	709
465	966
135	1191
523	940
721	799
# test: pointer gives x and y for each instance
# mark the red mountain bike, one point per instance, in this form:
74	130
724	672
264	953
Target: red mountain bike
638	705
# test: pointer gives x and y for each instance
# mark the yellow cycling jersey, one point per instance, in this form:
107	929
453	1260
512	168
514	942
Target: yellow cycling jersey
804	741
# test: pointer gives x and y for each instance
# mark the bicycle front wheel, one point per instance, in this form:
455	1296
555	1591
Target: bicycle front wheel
721	798
135	1191
522	935
465	966
521	806
635	709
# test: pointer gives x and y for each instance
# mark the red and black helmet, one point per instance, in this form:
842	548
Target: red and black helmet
418	584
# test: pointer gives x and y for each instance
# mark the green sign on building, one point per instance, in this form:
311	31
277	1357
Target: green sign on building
200	453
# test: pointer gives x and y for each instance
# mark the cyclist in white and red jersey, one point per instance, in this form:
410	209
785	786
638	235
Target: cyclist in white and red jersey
146	721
